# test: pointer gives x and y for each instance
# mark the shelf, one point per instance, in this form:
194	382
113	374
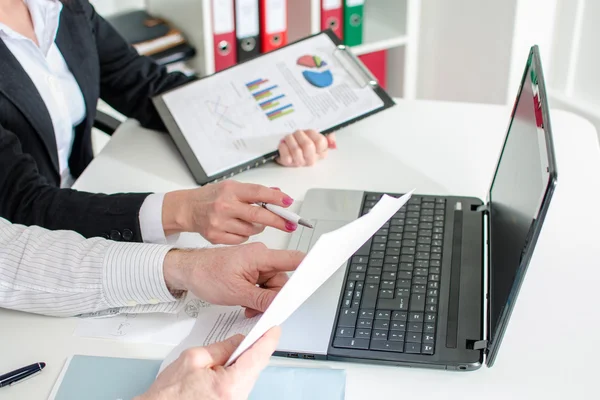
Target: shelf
384	26
384	44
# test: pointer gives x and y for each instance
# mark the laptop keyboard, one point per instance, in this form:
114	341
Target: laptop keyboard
390	301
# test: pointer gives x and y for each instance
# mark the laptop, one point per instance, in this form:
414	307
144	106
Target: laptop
415	293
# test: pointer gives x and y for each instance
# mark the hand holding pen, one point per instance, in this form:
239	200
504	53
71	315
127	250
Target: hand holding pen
226	212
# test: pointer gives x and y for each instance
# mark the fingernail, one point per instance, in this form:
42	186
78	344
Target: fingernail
333	145
288	201
290	226
275	188
282	141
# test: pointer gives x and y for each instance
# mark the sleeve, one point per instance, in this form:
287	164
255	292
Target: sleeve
26	197
128	81
151	221
60	273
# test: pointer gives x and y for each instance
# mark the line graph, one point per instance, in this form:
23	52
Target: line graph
222	112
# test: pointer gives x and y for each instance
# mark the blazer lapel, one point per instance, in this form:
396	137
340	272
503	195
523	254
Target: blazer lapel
21	91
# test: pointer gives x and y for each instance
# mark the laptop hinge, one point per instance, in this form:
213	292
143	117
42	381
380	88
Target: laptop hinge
483	208
477	344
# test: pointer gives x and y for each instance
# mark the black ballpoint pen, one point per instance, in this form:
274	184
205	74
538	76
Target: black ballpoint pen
20	374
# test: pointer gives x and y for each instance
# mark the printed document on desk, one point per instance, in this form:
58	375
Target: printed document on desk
328	254
225	121
161	328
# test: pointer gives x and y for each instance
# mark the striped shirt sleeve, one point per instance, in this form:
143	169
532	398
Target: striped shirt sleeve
60	273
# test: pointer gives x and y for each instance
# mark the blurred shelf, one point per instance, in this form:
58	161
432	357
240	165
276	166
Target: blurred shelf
383	44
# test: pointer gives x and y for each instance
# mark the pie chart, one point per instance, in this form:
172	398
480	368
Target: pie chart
316	73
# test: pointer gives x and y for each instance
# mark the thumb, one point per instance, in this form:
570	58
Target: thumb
218	353
331	143
259	299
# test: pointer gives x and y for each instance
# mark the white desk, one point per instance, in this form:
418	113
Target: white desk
550	348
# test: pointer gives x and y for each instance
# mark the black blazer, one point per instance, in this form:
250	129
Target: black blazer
104	66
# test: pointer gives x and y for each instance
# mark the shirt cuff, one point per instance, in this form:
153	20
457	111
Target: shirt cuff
133	275
150	218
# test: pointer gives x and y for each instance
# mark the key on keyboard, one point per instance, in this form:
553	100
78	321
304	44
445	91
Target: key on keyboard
392	288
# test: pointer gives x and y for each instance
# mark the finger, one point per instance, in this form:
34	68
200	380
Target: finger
242	228
278	260
252	193
309	150
227	238
332	141
259	215
273	281
320	141
214	354
256	298
248	366
249	312
322	155
295	151
285	156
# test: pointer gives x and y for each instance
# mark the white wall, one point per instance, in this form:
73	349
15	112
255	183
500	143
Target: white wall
465	49
574	78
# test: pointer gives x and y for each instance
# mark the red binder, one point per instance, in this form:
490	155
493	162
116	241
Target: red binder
376	62
224	34
273	24
332	16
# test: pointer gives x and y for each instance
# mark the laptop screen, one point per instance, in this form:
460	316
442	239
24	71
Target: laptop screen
518	192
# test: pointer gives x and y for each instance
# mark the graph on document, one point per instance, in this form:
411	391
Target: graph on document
269	98
229	128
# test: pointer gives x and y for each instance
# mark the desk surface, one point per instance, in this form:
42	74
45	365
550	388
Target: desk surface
549	350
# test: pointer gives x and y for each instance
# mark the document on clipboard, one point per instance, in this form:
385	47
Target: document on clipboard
232	121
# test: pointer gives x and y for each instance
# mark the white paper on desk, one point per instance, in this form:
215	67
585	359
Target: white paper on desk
326	256
158	328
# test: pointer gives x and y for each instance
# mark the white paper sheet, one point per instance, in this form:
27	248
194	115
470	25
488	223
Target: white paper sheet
214	324
328	254
158	328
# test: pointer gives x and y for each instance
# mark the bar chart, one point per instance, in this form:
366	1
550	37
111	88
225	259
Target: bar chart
270	101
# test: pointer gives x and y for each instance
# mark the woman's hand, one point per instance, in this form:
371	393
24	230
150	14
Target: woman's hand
304	148
224	212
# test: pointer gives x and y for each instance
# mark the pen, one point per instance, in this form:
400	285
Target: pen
21	374
286	214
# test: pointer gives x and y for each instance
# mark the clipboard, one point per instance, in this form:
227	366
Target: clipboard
344	57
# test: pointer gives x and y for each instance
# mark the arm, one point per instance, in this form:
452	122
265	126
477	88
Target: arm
27	198
128	81
62	274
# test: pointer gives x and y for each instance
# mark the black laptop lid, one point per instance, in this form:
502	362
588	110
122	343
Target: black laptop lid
518	199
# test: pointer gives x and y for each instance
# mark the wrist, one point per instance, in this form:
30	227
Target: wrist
174	212
174	271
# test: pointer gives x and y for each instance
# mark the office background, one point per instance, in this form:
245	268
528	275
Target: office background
459	50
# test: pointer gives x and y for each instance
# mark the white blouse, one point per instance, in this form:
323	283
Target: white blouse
51	76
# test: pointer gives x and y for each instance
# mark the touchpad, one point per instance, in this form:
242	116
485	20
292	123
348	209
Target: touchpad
308	237
309	328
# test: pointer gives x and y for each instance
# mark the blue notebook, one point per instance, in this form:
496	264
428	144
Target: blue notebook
101	378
